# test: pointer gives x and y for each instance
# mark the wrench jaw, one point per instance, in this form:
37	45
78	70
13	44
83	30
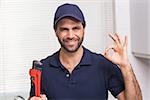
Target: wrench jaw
35	74
37	64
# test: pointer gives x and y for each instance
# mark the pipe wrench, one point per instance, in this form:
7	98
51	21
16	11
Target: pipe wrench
35	73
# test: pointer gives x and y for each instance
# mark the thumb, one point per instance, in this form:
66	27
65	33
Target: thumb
43	96
106	52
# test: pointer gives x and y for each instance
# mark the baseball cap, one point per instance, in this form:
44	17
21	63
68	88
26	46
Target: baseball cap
68	10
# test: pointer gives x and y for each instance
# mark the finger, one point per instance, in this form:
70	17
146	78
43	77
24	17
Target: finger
125	42
106	52
108	56
113	37
118	37
43	96
35	98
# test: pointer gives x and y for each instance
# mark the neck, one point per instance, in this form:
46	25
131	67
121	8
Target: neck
70	60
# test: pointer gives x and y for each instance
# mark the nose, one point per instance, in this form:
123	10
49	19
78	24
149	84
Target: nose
70	34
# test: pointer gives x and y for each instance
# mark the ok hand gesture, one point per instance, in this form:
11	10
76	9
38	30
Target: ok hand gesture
119	50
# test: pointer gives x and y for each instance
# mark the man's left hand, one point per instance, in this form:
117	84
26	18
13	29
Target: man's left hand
119	50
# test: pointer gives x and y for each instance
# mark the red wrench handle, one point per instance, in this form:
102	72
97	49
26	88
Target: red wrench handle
36	79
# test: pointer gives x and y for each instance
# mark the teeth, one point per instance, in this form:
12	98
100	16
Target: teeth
70	40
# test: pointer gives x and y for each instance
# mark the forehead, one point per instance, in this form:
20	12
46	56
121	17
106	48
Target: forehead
68	20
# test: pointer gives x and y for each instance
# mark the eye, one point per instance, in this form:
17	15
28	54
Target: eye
63	29
76	28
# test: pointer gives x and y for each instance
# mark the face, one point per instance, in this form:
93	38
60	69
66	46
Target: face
70	33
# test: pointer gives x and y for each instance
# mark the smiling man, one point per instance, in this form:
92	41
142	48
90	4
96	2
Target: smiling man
76	73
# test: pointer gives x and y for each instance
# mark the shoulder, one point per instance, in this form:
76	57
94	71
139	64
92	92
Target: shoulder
101	61
98	57
50	59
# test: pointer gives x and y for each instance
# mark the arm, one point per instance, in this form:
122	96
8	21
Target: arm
119	56
132	89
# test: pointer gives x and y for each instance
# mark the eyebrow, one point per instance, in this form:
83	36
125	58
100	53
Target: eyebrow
76	27
72	27
63	28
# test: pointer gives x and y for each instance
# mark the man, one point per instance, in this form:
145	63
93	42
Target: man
75	73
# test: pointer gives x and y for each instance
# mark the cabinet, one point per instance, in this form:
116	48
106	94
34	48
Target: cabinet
140	28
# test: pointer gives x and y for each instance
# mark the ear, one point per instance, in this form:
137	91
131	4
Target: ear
56	33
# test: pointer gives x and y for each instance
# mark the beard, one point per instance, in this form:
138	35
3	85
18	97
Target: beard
72	49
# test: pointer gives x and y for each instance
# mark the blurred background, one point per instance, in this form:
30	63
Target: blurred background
26	34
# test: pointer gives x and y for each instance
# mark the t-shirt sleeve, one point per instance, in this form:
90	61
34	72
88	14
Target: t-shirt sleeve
115	81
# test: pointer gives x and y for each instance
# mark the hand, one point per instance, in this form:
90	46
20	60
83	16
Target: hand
42	97
119	50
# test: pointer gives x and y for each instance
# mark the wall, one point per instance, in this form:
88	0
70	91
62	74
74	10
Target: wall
141	66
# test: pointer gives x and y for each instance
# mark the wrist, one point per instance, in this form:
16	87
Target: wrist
126	66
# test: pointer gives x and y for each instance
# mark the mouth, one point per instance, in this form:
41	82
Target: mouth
71	43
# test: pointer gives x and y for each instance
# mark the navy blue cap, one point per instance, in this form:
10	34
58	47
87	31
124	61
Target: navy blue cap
70	10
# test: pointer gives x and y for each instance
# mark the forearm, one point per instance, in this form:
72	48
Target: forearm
132	89
137	88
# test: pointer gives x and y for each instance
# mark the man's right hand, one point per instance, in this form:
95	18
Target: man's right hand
42	97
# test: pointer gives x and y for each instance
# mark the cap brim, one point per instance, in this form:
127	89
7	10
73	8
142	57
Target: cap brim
68	15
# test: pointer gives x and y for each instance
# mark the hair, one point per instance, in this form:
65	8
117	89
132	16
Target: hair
55	25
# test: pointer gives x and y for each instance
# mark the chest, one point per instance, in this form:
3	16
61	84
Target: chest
84	82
